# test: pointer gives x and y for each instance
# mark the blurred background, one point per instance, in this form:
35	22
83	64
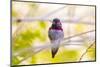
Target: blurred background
30	24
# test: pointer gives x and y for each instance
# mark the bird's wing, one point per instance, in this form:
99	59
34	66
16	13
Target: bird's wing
52	35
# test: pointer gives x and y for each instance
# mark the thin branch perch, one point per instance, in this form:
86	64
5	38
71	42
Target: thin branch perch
86	51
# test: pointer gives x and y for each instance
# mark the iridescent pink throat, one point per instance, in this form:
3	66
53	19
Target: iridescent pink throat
57	28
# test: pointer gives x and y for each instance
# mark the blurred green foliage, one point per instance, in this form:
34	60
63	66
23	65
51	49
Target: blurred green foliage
66	56
91	53
25	40
15	60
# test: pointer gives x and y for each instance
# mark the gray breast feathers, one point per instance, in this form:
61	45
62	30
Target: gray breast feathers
56	34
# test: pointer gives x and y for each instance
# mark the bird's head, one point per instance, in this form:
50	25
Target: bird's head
56	22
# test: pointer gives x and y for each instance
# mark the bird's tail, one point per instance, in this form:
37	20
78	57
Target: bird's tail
54	51
55	47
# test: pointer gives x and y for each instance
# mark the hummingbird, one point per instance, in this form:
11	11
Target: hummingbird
55	35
